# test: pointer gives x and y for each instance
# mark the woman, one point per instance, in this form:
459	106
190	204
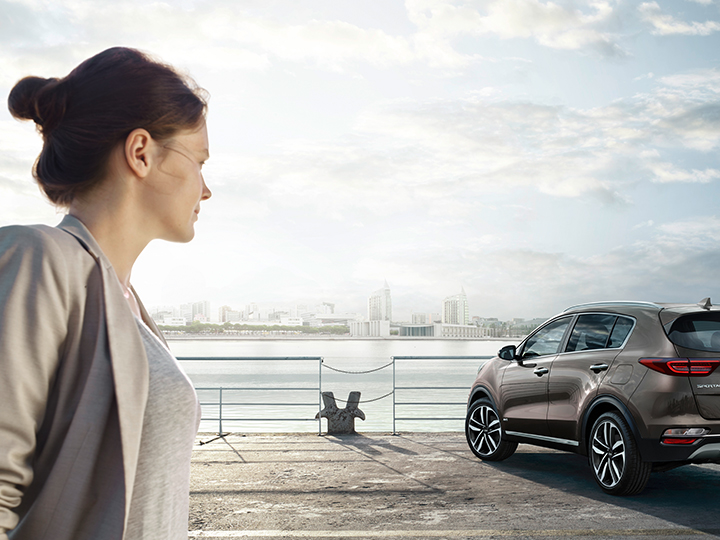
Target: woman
97	420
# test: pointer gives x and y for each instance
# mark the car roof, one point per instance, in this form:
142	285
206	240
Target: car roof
623	306
615	305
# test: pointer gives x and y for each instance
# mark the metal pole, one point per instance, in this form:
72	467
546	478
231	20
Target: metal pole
320	395
220	415
393	363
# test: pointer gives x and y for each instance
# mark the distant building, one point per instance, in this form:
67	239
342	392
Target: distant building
461	331
455	309
380	305
417	330
438	330
331	319
191	311
159	316
252	312
227	314
370	328
425	318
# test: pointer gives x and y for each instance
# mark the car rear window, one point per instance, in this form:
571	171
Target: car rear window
699	331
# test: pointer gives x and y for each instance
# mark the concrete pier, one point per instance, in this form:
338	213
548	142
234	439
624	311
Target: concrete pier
429	485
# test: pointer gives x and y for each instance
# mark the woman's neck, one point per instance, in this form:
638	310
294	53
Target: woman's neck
110	218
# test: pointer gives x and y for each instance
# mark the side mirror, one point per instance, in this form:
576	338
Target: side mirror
507	352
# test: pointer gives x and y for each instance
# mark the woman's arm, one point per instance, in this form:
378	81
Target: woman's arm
33	329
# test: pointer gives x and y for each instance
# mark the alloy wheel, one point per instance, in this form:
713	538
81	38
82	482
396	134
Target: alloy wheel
484	430
608	454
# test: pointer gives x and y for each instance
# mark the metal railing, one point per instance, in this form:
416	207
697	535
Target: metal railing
426	388
224	395
220	403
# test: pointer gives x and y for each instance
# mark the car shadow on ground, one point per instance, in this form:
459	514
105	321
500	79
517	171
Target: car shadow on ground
687	496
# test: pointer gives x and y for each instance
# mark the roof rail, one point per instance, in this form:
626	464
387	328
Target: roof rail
614	303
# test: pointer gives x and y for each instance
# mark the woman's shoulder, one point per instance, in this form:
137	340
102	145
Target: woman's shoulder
36	235
39	239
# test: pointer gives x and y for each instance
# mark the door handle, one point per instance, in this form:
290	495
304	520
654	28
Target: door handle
597	368
540	371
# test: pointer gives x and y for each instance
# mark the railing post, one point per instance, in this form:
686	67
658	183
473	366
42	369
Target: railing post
220	411
320	404
393	363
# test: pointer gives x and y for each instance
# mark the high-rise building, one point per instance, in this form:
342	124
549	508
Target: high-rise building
186	312
195	311
455	309
202	309
380	305
252	312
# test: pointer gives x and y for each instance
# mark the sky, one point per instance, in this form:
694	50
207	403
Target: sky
534	154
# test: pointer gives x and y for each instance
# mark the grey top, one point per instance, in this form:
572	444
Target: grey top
160	500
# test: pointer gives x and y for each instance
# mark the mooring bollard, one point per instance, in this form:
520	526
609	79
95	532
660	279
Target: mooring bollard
341	421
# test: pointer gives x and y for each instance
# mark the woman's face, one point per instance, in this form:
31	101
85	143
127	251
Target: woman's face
177	186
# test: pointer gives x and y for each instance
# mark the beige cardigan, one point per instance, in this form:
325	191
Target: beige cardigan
73	387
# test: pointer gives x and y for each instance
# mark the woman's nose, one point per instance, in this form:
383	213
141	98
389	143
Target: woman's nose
206	194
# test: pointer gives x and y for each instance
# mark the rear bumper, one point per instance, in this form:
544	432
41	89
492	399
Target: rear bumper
705	450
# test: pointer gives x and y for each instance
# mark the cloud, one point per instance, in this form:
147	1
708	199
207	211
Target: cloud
239	37
550	24
232	36
450	153
667	172
666	25
677	264
699	232
328	43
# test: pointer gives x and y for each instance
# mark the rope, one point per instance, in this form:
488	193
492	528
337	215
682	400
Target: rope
357	372
367	400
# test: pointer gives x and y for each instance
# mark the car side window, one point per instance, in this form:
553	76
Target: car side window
620	332
547	340
591	332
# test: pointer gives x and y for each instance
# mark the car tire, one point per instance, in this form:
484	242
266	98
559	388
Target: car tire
484	435
614	458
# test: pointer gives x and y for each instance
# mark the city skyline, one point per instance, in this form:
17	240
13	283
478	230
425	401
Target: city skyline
539	154
453	310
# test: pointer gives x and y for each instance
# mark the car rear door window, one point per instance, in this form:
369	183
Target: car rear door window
591	331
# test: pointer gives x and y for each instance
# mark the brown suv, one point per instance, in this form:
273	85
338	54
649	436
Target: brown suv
631	385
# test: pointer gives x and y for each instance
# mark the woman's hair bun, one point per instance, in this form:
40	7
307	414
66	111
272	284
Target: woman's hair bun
84	116
29	100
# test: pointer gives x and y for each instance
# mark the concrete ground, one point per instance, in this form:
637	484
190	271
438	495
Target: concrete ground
429	485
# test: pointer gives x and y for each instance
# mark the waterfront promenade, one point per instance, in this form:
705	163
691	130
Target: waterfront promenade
428	485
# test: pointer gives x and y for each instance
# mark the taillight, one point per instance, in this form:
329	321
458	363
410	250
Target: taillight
678	441
682	435
683	367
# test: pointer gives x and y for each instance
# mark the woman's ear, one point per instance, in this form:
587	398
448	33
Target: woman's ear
138	148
